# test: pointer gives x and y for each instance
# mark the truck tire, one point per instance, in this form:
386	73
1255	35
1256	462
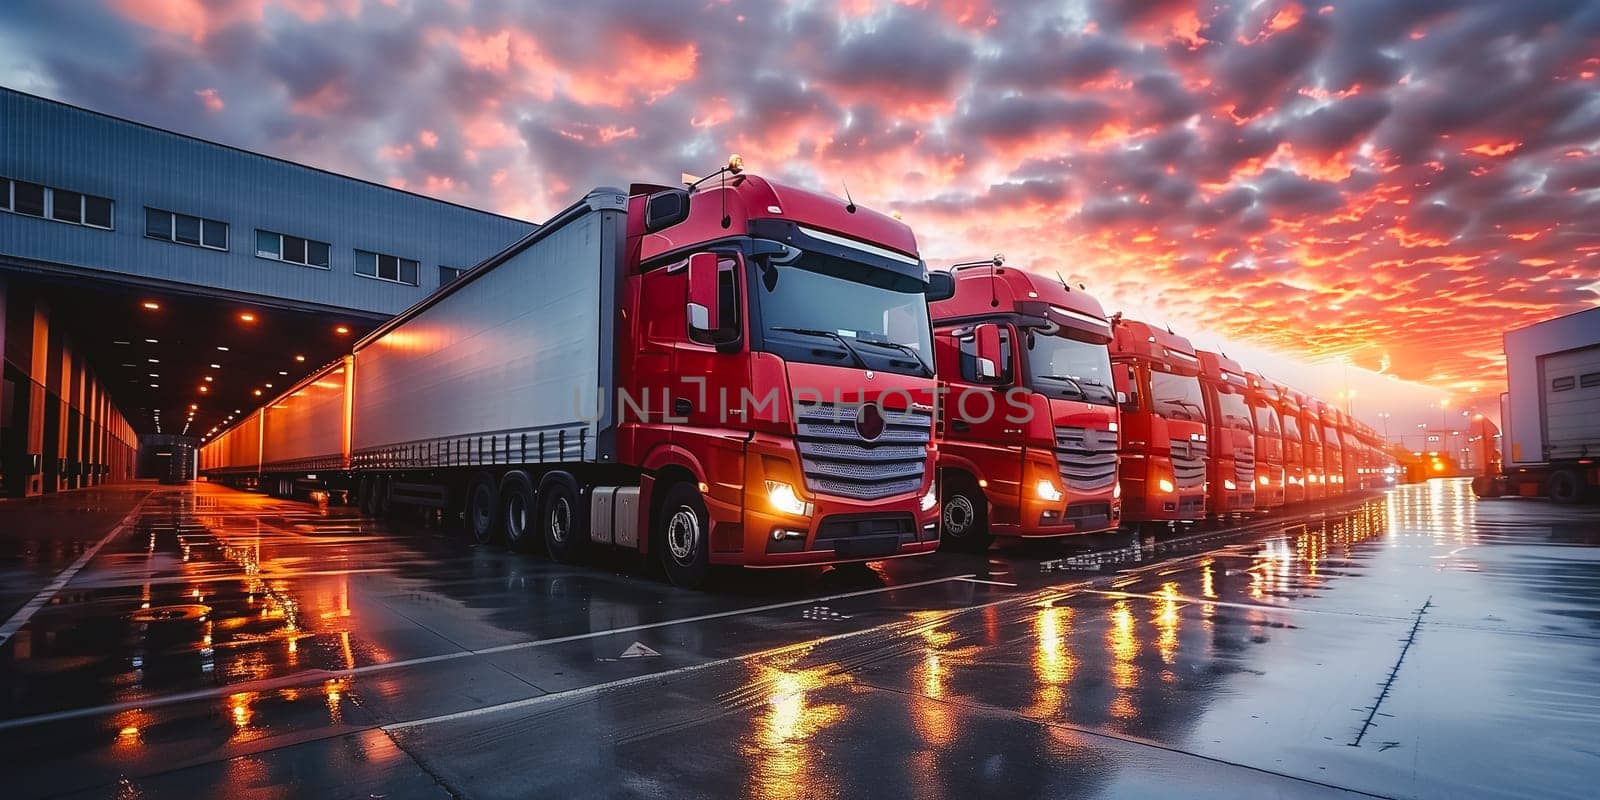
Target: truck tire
963	517
483	509
563	517
1564	486
1485	487
518	510
681	535
364	496
381	504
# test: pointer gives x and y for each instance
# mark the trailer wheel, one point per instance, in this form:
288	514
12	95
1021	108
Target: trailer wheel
381	504
1564	486
483	505
963	517
364	495
518	509
1485	487
682	533
563	517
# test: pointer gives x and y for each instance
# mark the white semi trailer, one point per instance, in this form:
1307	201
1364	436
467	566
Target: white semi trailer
1550	413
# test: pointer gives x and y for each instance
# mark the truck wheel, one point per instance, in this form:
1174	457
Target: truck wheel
517	507
1565	486
1485	487
963	518
483	506
683	536
364	496
563	517
381	505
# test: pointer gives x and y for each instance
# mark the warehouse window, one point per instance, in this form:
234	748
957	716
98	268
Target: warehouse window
1563	383
169	226
1589	379
61	205
27	198
292	249
386	268
448	275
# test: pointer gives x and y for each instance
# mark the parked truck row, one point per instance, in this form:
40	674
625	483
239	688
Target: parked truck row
747	373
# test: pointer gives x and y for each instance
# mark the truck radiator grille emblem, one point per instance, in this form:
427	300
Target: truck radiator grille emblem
838	458
1188	464
1087	459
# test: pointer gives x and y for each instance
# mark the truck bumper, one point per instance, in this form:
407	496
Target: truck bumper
838	531
1073	515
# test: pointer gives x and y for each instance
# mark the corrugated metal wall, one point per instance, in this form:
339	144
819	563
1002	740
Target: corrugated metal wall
61	146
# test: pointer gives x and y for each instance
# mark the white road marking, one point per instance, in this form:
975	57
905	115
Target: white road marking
991	583
317	676
638	650
49	592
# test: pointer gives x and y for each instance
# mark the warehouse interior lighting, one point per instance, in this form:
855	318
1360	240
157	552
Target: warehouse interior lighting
151	305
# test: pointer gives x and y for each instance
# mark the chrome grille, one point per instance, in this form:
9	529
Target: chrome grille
1188	464
836	459
1087	459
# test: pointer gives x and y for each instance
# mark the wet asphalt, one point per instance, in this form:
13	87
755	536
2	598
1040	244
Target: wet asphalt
1414	643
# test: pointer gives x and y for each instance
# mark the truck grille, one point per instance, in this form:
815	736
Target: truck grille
837	460
1188	464
1244	467
1086	458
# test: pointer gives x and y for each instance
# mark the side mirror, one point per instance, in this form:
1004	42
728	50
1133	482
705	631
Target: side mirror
703	306
941	286
986	337
665	209
1122	398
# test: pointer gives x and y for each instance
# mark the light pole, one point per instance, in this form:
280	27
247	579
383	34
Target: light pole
1384	415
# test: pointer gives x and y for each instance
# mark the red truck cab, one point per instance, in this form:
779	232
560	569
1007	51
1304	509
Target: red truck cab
1311	429
1262	397
1029	447
1231	467
1164	450
1294	448
1332	450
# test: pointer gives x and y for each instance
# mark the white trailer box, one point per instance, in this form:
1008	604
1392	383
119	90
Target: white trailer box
304	427
511	363
1551	411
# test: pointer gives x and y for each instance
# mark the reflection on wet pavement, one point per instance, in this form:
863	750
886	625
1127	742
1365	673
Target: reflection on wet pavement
1421	644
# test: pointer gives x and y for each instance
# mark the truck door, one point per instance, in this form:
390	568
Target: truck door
976	427
711	372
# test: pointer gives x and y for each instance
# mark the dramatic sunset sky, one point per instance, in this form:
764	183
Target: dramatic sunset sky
1385	184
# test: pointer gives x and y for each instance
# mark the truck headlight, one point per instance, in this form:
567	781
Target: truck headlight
1165	486
783	498
1047	491
1264	481
1116	490
931	498
1228	484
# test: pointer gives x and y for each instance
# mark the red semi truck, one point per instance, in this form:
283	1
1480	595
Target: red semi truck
1231	466
1294	448
1332	450
1311	430
1029	447
1271	477
1164	451
738	373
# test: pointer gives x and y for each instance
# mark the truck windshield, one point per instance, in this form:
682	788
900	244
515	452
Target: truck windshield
1176	396
826	310
1235	413
1330	435
1067	367
1266	419
1291	428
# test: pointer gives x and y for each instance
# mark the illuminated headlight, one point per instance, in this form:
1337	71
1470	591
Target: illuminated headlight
783	498
1047	491
930	499
1116	490
1165	486
1228	484
1264	481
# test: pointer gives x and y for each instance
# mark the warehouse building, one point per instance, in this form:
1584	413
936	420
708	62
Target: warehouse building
152	282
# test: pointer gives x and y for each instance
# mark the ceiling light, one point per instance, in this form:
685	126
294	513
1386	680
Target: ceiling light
152	341
283	372
257	392
341	330
299	358
247	317
216	366
194	406
269	386
151	305
155	386
154	360
209	379
205	389
223	349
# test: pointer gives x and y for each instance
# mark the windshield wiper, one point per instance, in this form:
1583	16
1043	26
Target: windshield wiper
1069	379
843	342
907	349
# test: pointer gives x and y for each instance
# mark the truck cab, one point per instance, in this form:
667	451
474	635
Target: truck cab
1311	430
1231	468
1262	397
801	378
1027	448
1164	448
1294	448
1332	450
